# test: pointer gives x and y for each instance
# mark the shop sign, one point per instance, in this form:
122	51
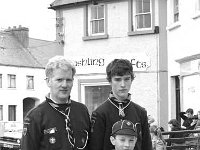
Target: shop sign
97	64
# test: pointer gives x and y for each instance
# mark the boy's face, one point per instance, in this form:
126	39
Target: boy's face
121	86
189	115
123	142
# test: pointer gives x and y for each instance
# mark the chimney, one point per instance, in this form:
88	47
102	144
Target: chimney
21	33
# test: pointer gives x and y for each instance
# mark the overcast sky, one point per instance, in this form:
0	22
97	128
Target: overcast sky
33	14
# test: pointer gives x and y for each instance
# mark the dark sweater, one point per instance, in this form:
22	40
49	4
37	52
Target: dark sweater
107	114
45	128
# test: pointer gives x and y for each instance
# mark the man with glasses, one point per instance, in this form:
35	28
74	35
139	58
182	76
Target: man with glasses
58	123
119	106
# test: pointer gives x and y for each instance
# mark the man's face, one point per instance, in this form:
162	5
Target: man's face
121	86
124	142
60	84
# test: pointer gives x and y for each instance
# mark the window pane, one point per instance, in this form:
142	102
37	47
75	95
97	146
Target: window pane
144	21
94	26
101	12
30	82
95	95
146	6
101	26
94	12
176	10
138	6
1	112
147	19
11	81
12	113
0	80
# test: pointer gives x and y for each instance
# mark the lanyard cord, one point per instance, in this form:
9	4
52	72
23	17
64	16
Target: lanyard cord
67	117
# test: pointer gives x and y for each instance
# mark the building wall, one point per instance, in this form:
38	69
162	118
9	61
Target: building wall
183	43
16	95
146	86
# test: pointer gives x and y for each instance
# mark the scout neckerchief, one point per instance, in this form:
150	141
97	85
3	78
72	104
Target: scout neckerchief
64	109
120	105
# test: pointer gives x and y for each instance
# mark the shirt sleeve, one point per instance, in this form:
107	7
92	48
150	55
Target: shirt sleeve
146	137
31	133
97	132
182	115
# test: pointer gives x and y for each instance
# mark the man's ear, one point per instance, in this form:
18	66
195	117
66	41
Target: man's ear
48	81
112	140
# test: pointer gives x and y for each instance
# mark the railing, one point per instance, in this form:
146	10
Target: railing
190	142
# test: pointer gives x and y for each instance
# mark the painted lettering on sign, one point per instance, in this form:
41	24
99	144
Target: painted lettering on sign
139	64
90	62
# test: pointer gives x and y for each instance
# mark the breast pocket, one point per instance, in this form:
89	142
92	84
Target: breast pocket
52	141
81	138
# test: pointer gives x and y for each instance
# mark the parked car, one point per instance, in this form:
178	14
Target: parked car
10	135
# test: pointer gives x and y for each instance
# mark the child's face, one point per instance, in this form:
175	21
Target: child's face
123	142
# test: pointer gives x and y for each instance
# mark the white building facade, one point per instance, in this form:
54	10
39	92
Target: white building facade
184	55
94	33
21	89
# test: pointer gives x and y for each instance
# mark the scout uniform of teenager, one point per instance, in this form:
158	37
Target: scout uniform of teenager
124	135
58	123
118	107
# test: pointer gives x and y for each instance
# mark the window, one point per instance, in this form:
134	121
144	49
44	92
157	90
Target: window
11	81
12	113
96	95
176	10
30	82
141	17
143	14
95	22
1	112
97	19
93	92
197	6
0	80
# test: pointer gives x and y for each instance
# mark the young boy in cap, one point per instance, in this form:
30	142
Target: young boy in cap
124	135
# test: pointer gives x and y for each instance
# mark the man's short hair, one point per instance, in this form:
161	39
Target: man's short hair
59	62
119	67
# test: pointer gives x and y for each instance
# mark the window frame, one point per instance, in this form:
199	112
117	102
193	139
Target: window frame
1	80
83	83
11	81
176	11
87	24
132	30
197	9
12	111
1	112
29	85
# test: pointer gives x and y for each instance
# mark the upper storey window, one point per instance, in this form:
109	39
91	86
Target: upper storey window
176	10
141	16
95	22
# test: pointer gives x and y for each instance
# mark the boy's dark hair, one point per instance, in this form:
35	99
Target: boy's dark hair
119	67
190	110
175	123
